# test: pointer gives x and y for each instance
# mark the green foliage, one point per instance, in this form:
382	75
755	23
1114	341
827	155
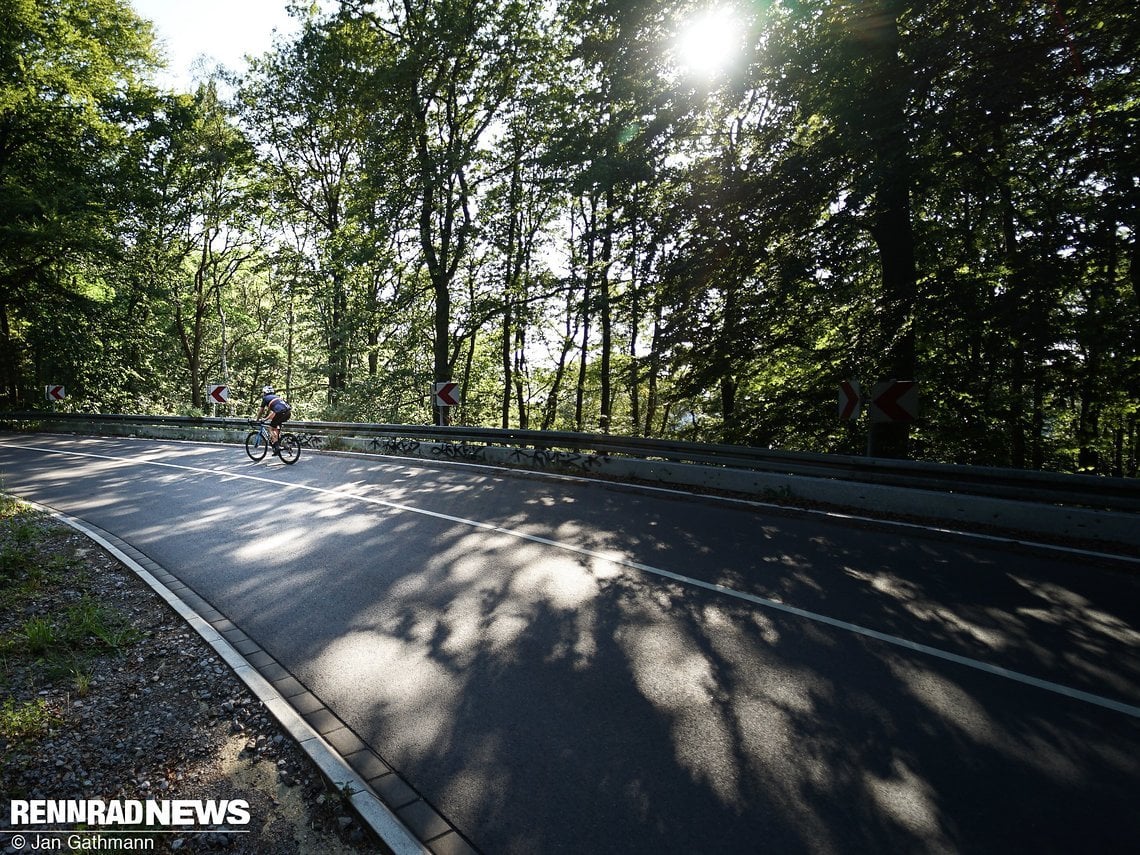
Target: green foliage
39	635
89	623
393	399
19	533
70	72
531	200
26	720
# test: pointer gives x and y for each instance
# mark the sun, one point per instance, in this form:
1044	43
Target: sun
707	43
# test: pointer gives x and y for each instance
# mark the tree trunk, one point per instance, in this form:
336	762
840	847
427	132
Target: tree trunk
338	340
891	226
505	353
587	311
8	358
606	410
441	368
550	411
520	376
654	368
634	320
1017	330
291	321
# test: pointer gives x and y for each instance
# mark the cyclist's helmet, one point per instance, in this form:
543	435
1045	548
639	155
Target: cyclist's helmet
267	390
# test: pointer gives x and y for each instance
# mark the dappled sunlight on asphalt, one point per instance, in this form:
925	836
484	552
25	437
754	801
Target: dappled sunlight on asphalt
672	674
1055	633
954	706
269	546
736	694
519	663
488	611
1065	607
728	721
559	580
488	605
909	800
914	601
404	681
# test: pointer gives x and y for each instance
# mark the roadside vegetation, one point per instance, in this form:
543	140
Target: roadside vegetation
646	218
55	645
106	693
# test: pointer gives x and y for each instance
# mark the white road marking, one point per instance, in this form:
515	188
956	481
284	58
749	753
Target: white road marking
764	602
882	522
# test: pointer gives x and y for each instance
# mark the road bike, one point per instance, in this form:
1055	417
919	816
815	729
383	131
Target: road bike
257	443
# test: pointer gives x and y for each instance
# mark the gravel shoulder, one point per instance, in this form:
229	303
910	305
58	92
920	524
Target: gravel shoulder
105	693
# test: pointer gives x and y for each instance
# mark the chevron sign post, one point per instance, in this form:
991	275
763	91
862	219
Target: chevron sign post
894	401
54	393
444	396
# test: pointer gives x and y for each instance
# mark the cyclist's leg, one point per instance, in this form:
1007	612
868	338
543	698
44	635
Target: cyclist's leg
275	427
290	449
279	420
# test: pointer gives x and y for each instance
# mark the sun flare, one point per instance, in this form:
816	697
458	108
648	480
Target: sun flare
708	42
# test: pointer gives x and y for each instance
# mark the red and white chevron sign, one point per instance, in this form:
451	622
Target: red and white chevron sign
850	400
446	394
218	394
894	401
54	393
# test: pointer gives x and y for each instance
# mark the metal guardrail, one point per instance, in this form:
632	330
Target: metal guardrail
1120	494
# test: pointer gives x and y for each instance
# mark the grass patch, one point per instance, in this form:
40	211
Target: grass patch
38	561
90	623
39	636
8	505
23	562
30	553
26	720
15	564
24	531
86	627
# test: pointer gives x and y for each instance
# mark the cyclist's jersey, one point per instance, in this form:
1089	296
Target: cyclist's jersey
275	403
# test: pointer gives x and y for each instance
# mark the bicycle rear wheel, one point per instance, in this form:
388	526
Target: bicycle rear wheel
255	446
289	448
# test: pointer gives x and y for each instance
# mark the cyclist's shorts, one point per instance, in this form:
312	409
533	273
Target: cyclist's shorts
280	418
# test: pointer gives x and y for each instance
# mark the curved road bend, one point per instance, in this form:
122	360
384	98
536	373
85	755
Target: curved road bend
567	666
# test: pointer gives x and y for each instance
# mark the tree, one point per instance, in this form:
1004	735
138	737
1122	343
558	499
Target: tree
313	104
199	225
454	66
69	78
531	197
848	71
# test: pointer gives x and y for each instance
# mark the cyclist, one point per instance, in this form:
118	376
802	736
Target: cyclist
273	403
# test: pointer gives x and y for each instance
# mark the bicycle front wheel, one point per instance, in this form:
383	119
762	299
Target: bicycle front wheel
289	448
255	446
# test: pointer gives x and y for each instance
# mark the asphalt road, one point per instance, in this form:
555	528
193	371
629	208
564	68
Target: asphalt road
563	666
